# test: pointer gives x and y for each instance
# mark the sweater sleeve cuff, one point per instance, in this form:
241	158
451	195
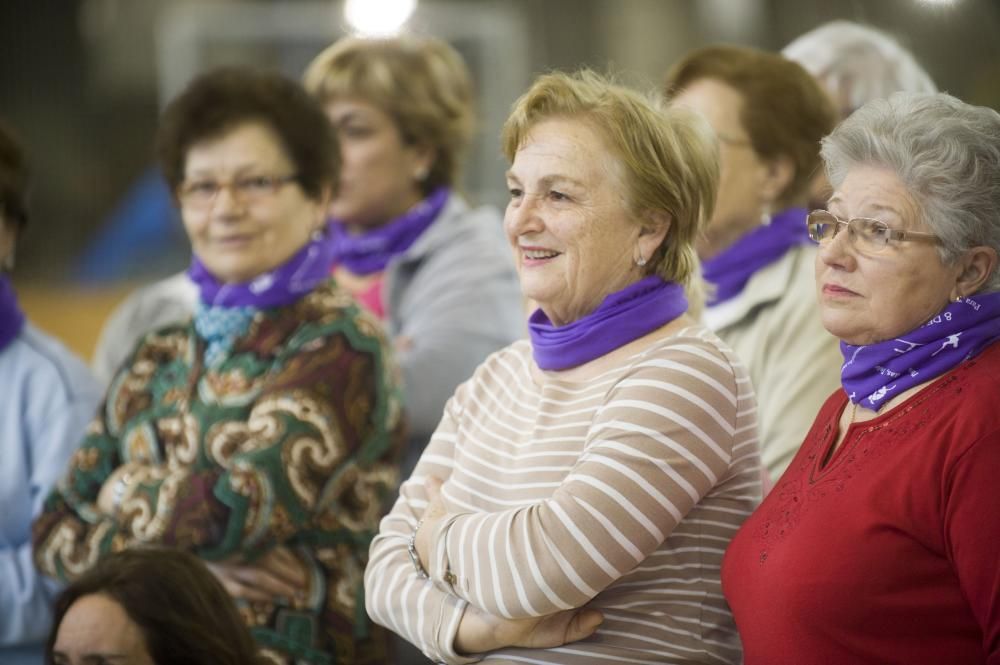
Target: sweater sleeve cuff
446	630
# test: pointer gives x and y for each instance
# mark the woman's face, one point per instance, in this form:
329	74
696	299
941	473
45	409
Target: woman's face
573	240
872	297
249	227
744	193
381	173
97	631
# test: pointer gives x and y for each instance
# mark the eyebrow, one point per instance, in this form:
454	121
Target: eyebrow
875	207
550	180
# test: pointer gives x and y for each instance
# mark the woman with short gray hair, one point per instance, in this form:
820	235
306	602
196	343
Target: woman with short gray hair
880	543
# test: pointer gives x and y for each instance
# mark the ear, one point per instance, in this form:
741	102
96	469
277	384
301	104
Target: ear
424	157
976	266
778	174
653	232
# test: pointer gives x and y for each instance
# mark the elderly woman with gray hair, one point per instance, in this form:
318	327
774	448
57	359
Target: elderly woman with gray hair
881	542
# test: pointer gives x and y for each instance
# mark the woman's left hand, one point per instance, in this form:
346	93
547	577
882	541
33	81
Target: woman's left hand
433	513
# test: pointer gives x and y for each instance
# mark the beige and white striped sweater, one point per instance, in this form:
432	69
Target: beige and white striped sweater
619	490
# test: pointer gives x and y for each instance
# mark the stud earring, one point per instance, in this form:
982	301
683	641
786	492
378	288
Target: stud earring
641	261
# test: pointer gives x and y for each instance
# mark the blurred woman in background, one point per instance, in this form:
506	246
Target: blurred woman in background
855	64
769	116
47	397
261	434
407	245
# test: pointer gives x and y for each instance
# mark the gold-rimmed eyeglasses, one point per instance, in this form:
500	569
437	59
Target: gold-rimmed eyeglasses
201	194
865	233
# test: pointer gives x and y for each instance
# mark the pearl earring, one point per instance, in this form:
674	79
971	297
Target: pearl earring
641	261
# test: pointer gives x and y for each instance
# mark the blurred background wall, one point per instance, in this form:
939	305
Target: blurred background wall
82	83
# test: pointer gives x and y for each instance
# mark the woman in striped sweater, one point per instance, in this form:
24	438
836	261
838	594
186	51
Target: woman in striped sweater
576	499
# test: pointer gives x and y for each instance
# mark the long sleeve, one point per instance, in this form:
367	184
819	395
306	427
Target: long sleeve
972	535
662	439
48	398
395	596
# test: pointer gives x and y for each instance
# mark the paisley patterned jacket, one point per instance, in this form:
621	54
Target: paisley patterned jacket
292	439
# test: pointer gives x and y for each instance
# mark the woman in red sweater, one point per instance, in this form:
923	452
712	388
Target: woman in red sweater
881	543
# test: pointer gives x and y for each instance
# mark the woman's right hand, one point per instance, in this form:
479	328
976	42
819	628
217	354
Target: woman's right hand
279	574
480	632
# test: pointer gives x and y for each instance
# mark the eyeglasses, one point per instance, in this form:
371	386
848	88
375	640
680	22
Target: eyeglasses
201	194
866	234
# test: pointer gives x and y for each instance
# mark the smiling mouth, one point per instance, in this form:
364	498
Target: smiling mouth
539	254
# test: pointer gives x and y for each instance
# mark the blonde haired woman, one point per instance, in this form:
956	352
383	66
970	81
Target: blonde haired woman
592	476
409	247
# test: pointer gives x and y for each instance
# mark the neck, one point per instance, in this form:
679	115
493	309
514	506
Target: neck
404	205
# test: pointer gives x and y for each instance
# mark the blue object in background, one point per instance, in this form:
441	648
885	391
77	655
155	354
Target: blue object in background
142	238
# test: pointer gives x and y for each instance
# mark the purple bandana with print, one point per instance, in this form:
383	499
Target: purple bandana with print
730	270
370	251
875	373
11	317
622	317
281	286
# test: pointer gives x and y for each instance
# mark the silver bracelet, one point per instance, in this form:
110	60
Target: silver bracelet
411	549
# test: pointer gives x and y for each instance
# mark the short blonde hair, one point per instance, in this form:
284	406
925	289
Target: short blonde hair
422	83
668	157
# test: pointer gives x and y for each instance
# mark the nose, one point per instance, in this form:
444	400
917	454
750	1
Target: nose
522	216
226	201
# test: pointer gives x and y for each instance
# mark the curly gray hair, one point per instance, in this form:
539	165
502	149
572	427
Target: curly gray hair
946	153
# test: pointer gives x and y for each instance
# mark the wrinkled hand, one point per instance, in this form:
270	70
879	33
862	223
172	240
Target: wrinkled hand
481	632
278	575
433	513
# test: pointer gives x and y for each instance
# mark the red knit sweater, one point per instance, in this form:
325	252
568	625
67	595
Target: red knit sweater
890	553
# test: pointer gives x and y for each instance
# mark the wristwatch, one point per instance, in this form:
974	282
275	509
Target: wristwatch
411	549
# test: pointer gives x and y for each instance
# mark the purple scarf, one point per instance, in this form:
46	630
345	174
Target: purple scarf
732	268
281	286
11	317
371	251
875	373
622	317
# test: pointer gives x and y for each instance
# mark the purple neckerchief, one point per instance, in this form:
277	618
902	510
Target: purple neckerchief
875	373
281	286
730	270
371	250
622	317
11	317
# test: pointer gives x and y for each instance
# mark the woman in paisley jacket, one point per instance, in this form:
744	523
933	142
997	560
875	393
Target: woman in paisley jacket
262	434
